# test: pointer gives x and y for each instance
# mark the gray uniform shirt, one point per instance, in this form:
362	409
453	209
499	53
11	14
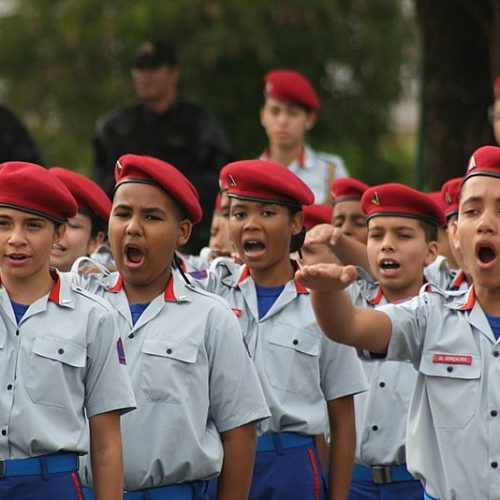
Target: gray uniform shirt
63	360
382	412
193	379
298	366
318	169
453	438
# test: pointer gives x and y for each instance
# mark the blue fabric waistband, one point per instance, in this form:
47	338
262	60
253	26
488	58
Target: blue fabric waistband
428	497
284	440
381	474
184	491
43	464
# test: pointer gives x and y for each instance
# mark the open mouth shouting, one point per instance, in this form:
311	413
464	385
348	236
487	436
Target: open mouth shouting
486	255
253	248
389	267
134	256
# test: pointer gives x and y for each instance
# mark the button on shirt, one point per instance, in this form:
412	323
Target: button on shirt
59	363
299	368
193	379
317	169
381	413
453	429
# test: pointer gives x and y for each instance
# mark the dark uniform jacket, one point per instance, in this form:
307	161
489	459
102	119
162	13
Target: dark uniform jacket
186	135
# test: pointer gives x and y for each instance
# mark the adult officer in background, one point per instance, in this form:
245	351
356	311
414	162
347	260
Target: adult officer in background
166	127
15	142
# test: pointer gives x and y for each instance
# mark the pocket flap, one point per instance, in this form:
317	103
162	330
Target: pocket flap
60	349
181	350
451	365
291	338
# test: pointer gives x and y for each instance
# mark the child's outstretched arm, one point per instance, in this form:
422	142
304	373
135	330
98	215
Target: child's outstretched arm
339	319
346	249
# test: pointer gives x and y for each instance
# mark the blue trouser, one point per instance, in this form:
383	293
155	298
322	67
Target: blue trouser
196	490
41	478
287	467
384	483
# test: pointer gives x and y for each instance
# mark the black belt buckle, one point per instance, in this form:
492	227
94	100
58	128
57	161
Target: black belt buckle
2	469
381	474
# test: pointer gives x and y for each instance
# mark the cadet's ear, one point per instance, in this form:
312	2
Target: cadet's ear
60	229
454	234
311	120
432	252
183	232
297	222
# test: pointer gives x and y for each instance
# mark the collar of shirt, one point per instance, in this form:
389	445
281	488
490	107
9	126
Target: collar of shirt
172	293
303	160
244	274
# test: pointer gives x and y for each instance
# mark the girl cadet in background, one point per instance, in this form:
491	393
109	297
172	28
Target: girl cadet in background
290	109
307	380
198	395
61	359
86	232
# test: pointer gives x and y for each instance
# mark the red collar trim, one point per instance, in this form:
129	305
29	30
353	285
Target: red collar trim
245	273
54	295
458	279
169	294
471	300
301	158
117	286
374	301
299	288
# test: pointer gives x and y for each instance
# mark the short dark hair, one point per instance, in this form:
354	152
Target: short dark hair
430	231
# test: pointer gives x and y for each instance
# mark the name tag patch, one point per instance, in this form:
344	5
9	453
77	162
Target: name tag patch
452	359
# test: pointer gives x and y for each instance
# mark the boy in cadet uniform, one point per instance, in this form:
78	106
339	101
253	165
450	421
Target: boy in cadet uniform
402	240
87	231
348	214
452	340
290	109
445	273
197	392
61	360
308	382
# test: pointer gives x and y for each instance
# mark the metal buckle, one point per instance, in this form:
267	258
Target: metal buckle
2	469
381	474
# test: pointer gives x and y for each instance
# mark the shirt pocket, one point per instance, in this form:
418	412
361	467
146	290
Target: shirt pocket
167	369
292	358
452	390
56	371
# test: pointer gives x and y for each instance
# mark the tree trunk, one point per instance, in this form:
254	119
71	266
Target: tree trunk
457	83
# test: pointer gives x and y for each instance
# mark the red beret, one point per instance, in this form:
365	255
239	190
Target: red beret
401	201
88	195
265	181
496	87
450	193
291	86
346	189
484	161
33	189
149	170
317	214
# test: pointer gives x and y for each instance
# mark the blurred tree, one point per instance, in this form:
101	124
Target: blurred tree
65	62
461	50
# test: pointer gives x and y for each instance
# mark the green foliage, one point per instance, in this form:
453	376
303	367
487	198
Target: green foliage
65	62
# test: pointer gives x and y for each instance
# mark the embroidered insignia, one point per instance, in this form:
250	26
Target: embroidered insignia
118	167
472	164
232	181
447	198
375	199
